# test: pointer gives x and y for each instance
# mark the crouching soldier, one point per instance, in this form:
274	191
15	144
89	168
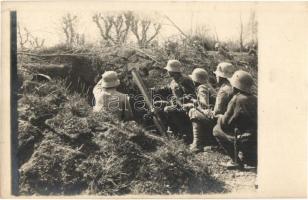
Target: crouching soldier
108	99
240	119
200	113
183	89
224	72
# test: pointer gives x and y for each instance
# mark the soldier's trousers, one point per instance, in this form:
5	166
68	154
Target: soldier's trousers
202	129
178	121
248	146
180	124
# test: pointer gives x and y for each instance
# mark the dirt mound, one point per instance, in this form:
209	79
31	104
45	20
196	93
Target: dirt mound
65	148
82	68
71	150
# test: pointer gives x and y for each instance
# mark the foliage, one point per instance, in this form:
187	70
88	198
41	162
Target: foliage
76	151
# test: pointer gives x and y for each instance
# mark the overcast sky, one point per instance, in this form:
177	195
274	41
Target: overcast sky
44	21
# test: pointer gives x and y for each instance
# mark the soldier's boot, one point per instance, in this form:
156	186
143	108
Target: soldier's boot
196	145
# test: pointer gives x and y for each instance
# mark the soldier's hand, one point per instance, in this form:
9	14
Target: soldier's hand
153	110
188	106
195	101
209	113
218	116
244	136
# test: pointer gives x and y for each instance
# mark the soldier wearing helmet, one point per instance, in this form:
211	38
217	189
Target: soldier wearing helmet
202	122
108	99
224	72
183	89
241	115
181	86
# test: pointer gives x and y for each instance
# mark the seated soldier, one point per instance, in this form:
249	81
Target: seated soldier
200	113
108	99
224	72
183	89
241	115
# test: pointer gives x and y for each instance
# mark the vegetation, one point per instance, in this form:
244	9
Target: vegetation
65	148
71	150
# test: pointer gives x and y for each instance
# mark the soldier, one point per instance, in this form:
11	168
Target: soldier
224	72
222	50
181	85
241	115
200	113
183	89
108	99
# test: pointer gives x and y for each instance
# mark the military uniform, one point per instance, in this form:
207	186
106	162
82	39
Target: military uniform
177	118
113	102
182	89
242	114
202	122
223	97
108	99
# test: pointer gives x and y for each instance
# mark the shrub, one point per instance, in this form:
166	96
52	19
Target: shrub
173	169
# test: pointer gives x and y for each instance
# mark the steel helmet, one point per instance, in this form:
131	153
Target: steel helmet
173	66
224	70
110	79
199	75
242	80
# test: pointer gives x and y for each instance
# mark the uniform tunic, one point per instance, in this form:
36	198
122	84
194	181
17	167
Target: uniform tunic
202	123
176	118
242	114
185	86
203	93
112	101
224	95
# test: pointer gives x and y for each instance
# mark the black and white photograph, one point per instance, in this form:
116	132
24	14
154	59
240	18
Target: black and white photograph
134	100
117	102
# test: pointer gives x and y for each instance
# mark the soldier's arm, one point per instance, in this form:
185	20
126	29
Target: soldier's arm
97	88
227	120
221	99
203	97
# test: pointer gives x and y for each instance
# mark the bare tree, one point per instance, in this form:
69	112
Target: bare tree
37	43
252	26
105	31
114	30
27	41
141	30
23	37
69	24
122	26
216	35
241	33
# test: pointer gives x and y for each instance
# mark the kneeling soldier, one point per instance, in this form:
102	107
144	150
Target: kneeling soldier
224	72
183	89
200	113
108	99
240	118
